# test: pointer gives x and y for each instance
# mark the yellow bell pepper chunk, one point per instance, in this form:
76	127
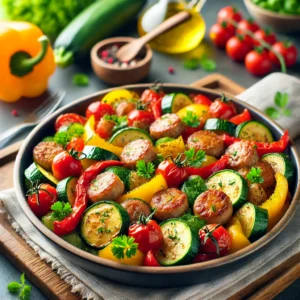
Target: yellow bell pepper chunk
91	138
113	97
171	148
135	260
238	239
275	204
199	110
208	160
146	190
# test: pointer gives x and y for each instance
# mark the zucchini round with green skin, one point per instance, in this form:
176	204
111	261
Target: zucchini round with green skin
163	140
172	103
254	131
280	163
66	190
254	221
35	173
232	184
122	173
181	244
124	136
215	124
102	221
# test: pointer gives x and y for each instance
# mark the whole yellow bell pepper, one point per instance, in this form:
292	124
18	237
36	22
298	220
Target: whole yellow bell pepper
26	61
238	239
275	204
171	148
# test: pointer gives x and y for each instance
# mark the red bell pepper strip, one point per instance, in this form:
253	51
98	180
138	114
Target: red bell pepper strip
242	117
261	147
206	171
156	108
150	260
68	224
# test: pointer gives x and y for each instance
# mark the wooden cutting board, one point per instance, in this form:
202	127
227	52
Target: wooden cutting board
41	274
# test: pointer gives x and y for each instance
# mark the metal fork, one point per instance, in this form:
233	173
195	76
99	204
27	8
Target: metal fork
47	107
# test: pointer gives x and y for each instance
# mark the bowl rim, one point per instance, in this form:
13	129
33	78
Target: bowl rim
97	60
149	270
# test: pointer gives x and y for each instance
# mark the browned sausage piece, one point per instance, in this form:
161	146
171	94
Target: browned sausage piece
208	141
169	125
169	203
137	150
242	154
124	108
256	194
106	125
267	173
213	206
135	208
44	153
106	186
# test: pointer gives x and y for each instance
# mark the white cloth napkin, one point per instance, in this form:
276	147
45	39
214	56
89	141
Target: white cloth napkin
224	282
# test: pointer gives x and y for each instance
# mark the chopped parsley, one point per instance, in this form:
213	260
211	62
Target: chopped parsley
255	175
22	289
144	169
123	246
61	210
191	119
193	158
220	184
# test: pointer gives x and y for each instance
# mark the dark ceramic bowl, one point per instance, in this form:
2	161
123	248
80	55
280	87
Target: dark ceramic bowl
146	276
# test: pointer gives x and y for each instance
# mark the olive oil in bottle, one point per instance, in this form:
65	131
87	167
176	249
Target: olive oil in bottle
183	37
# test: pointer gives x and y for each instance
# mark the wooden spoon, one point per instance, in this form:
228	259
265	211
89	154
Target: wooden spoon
130	50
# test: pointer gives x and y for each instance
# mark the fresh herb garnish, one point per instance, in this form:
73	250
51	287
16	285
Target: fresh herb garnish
123	246
61	210
193	158
220	184
64	137
191	119
281	101
254	176
120	121
80	79
144	169
23	289
205	63
231	182
193	222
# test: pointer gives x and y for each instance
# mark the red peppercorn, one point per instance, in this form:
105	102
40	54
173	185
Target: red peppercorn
171	70
104	54
110	60
14	113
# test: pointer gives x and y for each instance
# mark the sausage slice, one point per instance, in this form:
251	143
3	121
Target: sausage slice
136	208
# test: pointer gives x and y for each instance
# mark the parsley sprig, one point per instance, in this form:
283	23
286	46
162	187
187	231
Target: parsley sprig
120	121
205	63
191	119
254	176
281	101
123	246
22	289
61	210
144	169
193	158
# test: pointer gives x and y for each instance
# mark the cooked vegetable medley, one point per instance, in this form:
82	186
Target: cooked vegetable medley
160	179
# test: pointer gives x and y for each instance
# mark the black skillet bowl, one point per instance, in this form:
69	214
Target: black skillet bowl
136	275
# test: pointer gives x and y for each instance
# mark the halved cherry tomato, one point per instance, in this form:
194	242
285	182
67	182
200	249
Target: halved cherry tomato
258	62
151	98
172	172
104	128
76	143
201	257
242	117
220	34
140	118
222	108
201	99
266	35
65	165
237	48
248	24
98	110
229	12
67	119
150	260
287	50
214	239
41	198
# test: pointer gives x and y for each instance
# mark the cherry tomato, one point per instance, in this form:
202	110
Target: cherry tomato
242	117
229	12
99	109
287	50
201	257
222	108
214	239
41	204
150	260
220	34
237	48
76	143
140	118
147	234
248	25
104	128
258	62
201	99
174	174
152	99
267	35
67	119
65	165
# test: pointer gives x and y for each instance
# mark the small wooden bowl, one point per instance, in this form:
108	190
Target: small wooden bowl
116	75
278	21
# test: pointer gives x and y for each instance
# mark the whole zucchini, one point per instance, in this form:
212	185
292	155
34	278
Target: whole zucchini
98	21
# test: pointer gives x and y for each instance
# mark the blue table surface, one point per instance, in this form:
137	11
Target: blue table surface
62	80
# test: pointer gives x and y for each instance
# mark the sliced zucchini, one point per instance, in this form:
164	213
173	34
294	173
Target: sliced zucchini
66	189
232	184
35	173
254	221
180	245
122	173
103	221
124	136
172	103
254	131
94	154
163	140
220	125
280	163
